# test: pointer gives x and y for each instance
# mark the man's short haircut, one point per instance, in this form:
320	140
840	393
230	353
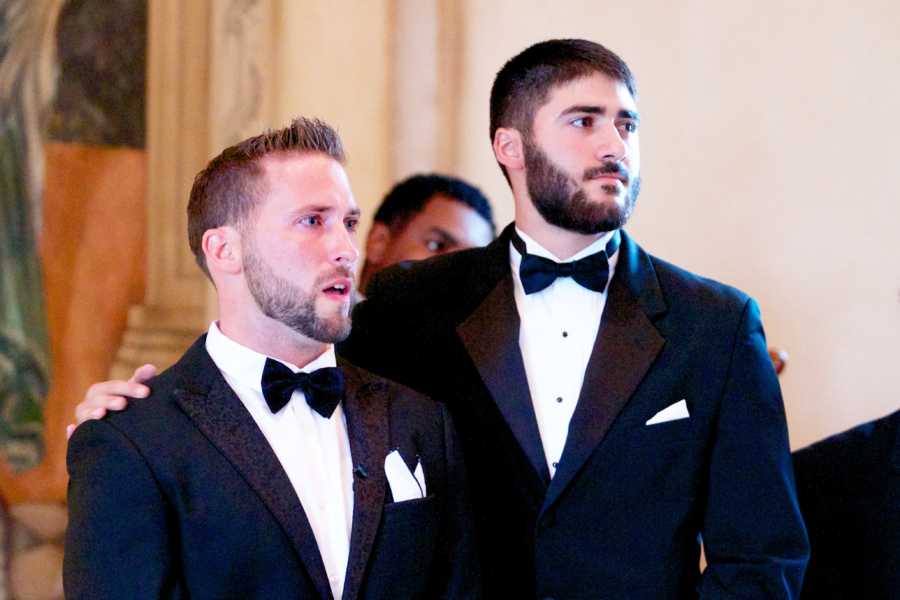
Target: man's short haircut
524	83
408	198
226	191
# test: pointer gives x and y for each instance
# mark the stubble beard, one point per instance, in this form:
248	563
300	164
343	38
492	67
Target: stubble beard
563	202
281	300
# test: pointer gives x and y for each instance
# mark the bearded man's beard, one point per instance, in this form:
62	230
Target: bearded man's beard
564	203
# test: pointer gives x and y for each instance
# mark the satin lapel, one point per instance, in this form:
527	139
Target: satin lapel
222	418
366	410
627	343
491	337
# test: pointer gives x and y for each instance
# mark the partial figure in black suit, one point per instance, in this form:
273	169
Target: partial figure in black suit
678	429
195	492
849	489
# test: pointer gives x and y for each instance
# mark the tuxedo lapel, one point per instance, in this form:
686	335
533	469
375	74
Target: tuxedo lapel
366	410
627	343
491	337
217	412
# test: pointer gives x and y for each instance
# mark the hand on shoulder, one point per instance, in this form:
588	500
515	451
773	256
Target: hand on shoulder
111	395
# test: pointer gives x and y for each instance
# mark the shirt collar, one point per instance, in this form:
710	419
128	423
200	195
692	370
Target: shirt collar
245	366
536	249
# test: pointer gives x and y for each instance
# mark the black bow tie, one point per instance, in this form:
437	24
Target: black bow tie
537	272
323	388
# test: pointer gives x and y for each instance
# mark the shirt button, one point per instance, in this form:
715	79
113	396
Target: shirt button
559	399
565	334
555	465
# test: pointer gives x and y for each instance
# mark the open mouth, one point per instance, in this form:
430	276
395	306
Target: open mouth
339	289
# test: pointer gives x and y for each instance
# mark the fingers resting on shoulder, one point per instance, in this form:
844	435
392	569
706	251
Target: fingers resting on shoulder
112	395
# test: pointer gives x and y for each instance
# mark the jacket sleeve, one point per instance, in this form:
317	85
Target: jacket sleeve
754	538
119	542
460	572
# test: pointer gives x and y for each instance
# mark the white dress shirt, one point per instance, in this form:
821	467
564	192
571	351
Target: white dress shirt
314	451
558	327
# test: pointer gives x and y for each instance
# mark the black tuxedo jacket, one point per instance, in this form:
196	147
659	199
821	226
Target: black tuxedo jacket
622	515
180	496
849	488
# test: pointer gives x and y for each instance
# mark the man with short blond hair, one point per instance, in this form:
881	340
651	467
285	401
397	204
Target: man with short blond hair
261	466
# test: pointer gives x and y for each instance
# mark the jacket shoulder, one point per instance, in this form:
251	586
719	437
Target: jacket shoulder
440	280
862	451
680	282
662	287
156	415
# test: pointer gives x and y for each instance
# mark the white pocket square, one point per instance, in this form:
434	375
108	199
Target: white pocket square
405	484
670	413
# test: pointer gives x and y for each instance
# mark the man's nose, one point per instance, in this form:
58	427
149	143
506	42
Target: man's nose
344	247
609	144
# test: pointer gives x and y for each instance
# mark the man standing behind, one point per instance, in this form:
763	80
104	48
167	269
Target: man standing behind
424	216
259	468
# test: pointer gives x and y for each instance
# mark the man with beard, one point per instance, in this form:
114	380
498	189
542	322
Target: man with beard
262	467
612	408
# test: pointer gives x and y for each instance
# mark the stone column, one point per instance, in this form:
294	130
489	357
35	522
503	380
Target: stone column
222	70
206	88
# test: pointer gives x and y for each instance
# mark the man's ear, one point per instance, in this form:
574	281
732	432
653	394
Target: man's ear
377	243
222	249
508	148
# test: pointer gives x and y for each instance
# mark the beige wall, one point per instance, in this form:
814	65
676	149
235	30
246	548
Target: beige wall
332	63
769	159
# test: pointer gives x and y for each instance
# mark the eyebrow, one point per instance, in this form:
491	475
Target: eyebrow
323	208
599	110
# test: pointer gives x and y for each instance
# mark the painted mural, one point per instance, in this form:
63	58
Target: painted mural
102	56
26	82
72	75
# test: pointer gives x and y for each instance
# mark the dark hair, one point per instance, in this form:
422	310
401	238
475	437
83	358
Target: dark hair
226	191
525	81
407	198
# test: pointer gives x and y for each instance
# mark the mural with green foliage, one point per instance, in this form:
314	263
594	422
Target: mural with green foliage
26	81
